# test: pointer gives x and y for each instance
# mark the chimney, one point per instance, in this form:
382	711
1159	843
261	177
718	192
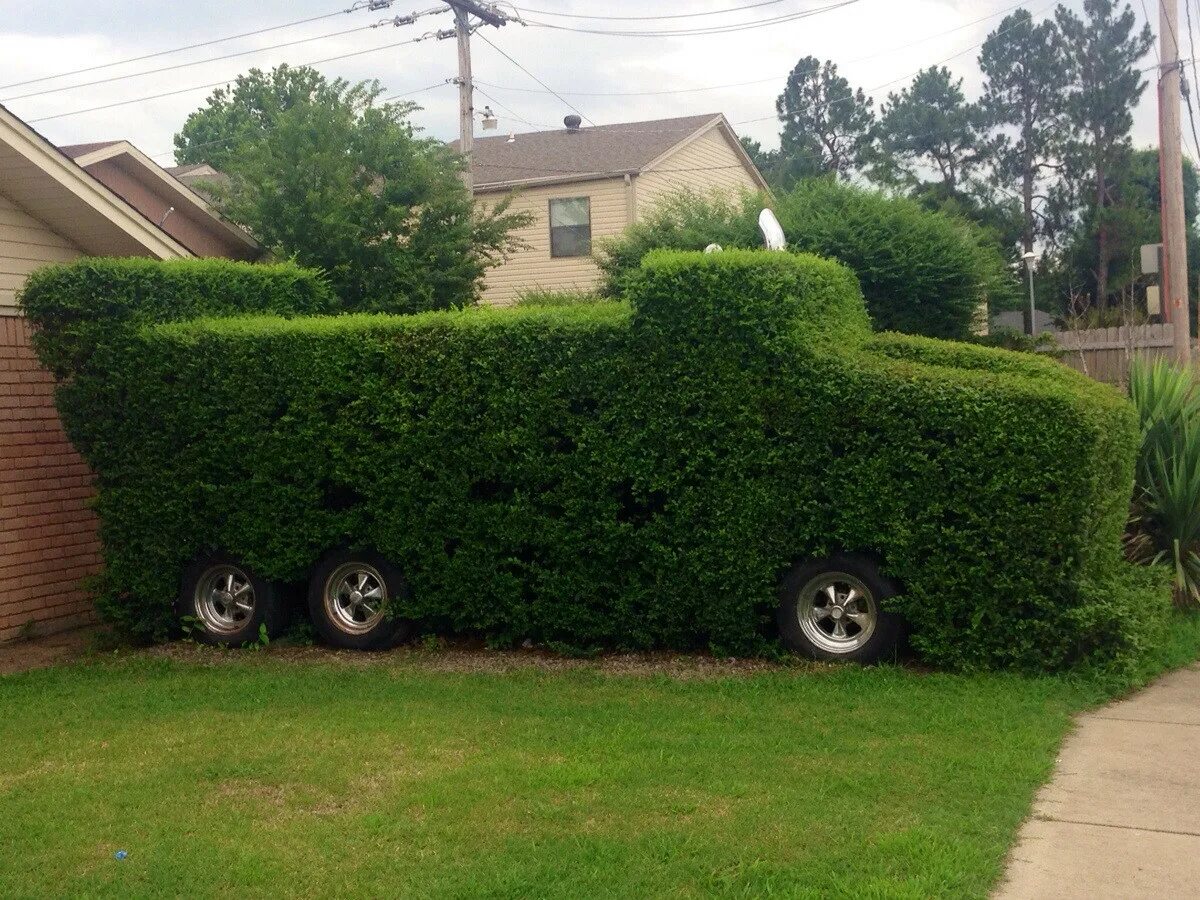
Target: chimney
572	122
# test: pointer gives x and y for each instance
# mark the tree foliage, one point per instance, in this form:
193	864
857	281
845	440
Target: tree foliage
929	127
827	125
1102	50
1022	106
323	172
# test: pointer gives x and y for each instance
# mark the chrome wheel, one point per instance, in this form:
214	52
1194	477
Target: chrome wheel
224	599
837	612
355	596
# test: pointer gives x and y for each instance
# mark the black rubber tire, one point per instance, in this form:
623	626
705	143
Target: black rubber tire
883	645
268	608
387	633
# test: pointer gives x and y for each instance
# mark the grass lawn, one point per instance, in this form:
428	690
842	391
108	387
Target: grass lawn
242	774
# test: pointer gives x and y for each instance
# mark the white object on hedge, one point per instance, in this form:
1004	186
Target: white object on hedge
713	248
772	231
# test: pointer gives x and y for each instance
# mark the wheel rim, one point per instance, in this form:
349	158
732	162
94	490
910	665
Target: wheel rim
837	612
225	599
355	598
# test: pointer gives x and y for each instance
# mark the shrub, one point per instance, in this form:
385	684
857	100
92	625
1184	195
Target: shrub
544	297
1165	526
921	272
629	475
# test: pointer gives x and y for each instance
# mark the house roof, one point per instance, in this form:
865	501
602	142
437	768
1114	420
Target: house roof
173	185
41	178
588	152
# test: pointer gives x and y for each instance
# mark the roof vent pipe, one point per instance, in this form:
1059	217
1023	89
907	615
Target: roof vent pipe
572	122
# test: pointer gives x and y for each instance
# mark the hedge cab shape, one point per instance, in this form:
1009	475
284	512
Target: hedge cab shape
729	458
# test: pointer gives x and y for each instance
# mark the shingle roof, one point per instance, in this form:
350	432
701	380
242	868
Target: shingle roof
602	149
77	150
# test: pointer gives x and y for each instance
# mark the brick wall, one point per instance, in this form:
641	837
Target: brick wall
48	536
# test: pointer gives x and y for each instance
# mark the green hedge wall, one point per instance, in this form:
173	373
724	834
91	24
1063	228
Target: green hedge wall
624	475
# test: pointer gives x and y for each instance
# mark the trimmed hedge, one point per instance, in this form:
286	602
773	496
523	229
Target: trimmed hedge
626	475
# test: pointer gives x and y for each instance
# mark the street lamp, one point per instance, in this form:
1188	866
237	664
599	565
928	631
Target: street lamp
1029	257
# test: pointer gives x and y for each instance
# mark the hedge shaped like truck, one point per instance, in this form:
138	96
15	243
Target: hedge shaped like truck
727	458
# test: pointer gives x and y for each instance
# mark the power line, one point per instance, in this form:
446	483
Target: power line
201	87
693	32
1187	94
695	15
568	103
121	62
198	62
718	87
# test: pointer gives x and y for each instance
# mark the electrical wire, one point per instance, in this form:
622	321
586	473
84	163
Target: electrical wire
1187	5
133	59
694	32
568	103
694	15
719	87
198	62
201	87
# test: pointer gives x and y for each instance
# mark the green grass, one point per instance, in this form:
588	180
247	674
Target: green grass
243	775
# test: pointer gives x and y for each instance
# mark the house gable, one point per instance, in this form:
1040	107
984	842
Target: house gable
39	178
710	160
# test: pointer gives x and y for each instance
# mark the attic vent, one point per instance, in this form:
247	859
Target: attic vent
572	122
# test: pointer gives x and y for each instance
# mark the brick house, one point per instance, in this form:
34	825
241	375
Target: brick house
56	205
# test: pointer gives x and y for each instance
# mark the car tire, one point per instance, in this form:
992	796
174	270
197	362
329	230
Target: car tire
222	601
349	598
832	610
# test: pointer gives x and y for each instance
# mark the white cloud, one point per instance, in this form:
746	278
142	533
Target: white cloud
875	42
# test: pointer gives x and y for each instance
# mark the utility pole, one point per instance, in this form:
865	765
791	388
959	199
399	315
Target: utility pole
466	94
489	15
1170	161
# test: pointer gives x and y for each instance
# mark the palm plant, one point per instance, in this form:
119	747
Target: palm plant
1164	528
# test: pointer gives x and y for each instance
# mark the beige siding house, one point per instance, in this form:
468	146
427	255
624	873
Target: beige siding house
585	184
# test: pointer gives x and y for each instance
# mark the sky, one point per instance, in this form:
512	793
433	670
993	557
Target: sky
878	45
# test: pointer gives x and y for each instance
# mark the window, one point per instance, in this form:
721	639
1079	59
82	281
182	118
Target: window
571	227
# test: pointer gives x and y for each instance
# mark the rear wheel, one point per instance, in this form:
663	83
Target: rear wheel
832	610
350	597
225	602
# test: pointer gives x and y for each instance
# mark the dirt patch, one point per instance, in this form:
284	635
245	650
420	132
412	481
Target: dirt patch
466	658
51	650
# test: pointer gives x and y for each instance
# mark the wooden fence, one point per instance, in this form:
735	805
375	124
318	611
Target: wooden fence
1104	353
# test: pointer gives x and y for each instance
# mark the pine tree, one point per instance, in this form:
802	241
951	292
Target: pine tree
1023	107
1102	50
928	126
827	126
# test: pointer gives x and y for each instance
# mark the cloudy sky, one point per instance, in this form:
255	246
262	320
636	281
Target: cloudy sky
878	45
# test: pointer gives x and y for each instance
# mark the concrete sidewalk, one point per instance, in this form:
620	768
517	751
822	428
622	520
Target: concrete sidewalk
1121	816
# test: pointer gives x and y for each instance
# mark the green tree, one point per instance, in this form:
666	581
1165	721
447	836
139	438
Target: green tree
1022	107
236	115
928	127
340	181
827	125
1102	50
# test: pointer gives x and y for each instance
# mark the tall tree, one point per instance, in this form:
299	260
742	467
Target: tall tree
929	127
1023	108
338	180
236	115
1102	50
827	125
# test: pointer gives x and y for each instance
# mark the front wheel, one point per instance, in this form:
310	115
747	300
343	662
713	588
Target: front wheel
350	596
227	603
831	610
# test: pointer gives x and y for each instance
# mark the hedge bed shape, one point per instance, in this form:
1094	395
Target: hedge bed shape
612	475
